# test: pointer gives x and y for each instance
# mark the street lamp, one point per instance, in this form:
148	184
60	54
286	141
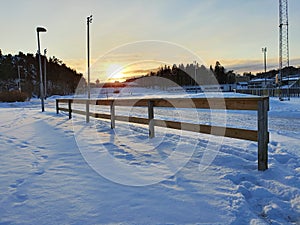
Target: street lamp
38	30
89	20
45	72
264	50
19	78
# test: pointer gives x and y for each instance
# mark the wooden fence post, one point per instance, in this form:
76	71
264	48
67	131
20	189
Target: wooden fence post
263	134
57	104
87	115
151	118
70	108
112	115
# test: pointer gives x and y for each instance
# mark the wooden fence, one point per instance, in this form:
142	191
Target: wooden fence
259	104
272	92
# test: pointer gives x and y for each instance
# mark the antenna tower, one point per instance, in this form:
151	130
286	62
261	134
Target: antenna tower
284	60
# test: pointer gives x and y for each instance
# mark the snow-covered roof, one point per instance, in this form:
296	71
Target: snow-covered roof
291	78
257	80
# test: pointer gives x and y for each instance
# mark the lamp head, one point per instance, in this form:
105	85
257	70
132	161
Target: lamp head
40	29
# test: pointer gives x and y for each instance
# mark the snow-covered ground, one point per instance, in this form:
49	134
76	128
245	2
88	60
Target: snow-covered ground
51	172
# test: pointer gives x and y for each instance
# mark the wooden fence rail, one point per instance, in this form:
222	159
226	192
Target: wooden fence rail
259	104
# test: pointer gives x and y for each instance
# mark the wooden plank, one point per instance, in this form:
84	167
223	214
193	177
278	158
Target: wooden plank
132	102
63	109
80	112
123	102
77	100
237	133
103	102
205	103
100	115
210	103
63	100
132	119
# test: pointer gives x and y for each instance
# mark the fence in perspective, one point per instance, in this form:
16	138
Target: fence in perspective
272	92
259	104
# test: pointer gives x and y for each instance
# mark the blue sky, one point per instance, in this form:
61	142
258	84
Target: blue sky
230	31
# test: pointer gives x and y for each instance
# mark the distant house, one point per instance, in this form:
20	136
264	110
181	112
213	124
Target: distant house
261	83
292	81
241	85
210	88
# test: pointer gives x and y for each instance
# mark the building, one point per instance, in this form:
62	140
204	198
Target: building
292	81
262	83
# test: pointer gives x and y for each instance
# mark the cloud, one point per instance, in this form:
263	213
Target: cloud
255	66
142	68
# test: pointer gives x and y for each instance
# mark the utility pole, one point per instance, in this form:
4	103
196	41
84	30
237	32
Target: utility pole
283	43
264	50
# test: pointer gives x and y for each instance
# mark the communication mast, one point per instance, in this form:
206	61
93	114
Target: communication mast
283	43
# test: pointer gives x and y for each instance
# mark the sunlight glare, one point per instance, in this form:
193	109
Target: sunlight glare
114	72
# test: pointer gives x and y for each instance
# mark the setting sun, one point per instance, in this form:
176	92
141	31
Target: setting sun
115	72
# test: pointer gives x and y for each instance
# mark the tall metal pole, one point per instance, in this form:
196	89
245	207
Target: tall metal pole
19	83
283	42
264	50
45	72
89	20
38	30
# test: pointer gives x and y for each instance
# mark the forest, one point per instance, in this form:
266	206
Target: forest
194	74
21	72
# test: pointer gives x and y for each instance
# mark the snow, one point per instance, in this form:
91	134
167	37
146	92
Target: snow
59	171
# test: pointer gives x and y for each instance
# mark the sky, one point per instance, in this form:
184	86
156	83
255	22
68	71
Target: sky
232	32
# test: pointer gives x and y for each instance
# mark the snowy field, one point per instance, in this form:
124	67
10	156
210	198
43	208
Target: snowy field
46	178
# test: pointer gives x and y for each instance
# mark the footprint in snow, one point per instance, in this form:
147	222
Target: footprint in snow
20	198
18	183
9	141
39	172
282	158
238	178
44	157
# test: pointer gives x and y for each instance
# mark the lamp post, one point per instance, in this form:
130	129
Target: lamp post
89	20
45	73
264	50
19	86
38	30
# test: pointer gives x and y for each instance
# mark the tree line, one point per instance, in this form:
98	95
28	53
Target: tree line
194	74
61	79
